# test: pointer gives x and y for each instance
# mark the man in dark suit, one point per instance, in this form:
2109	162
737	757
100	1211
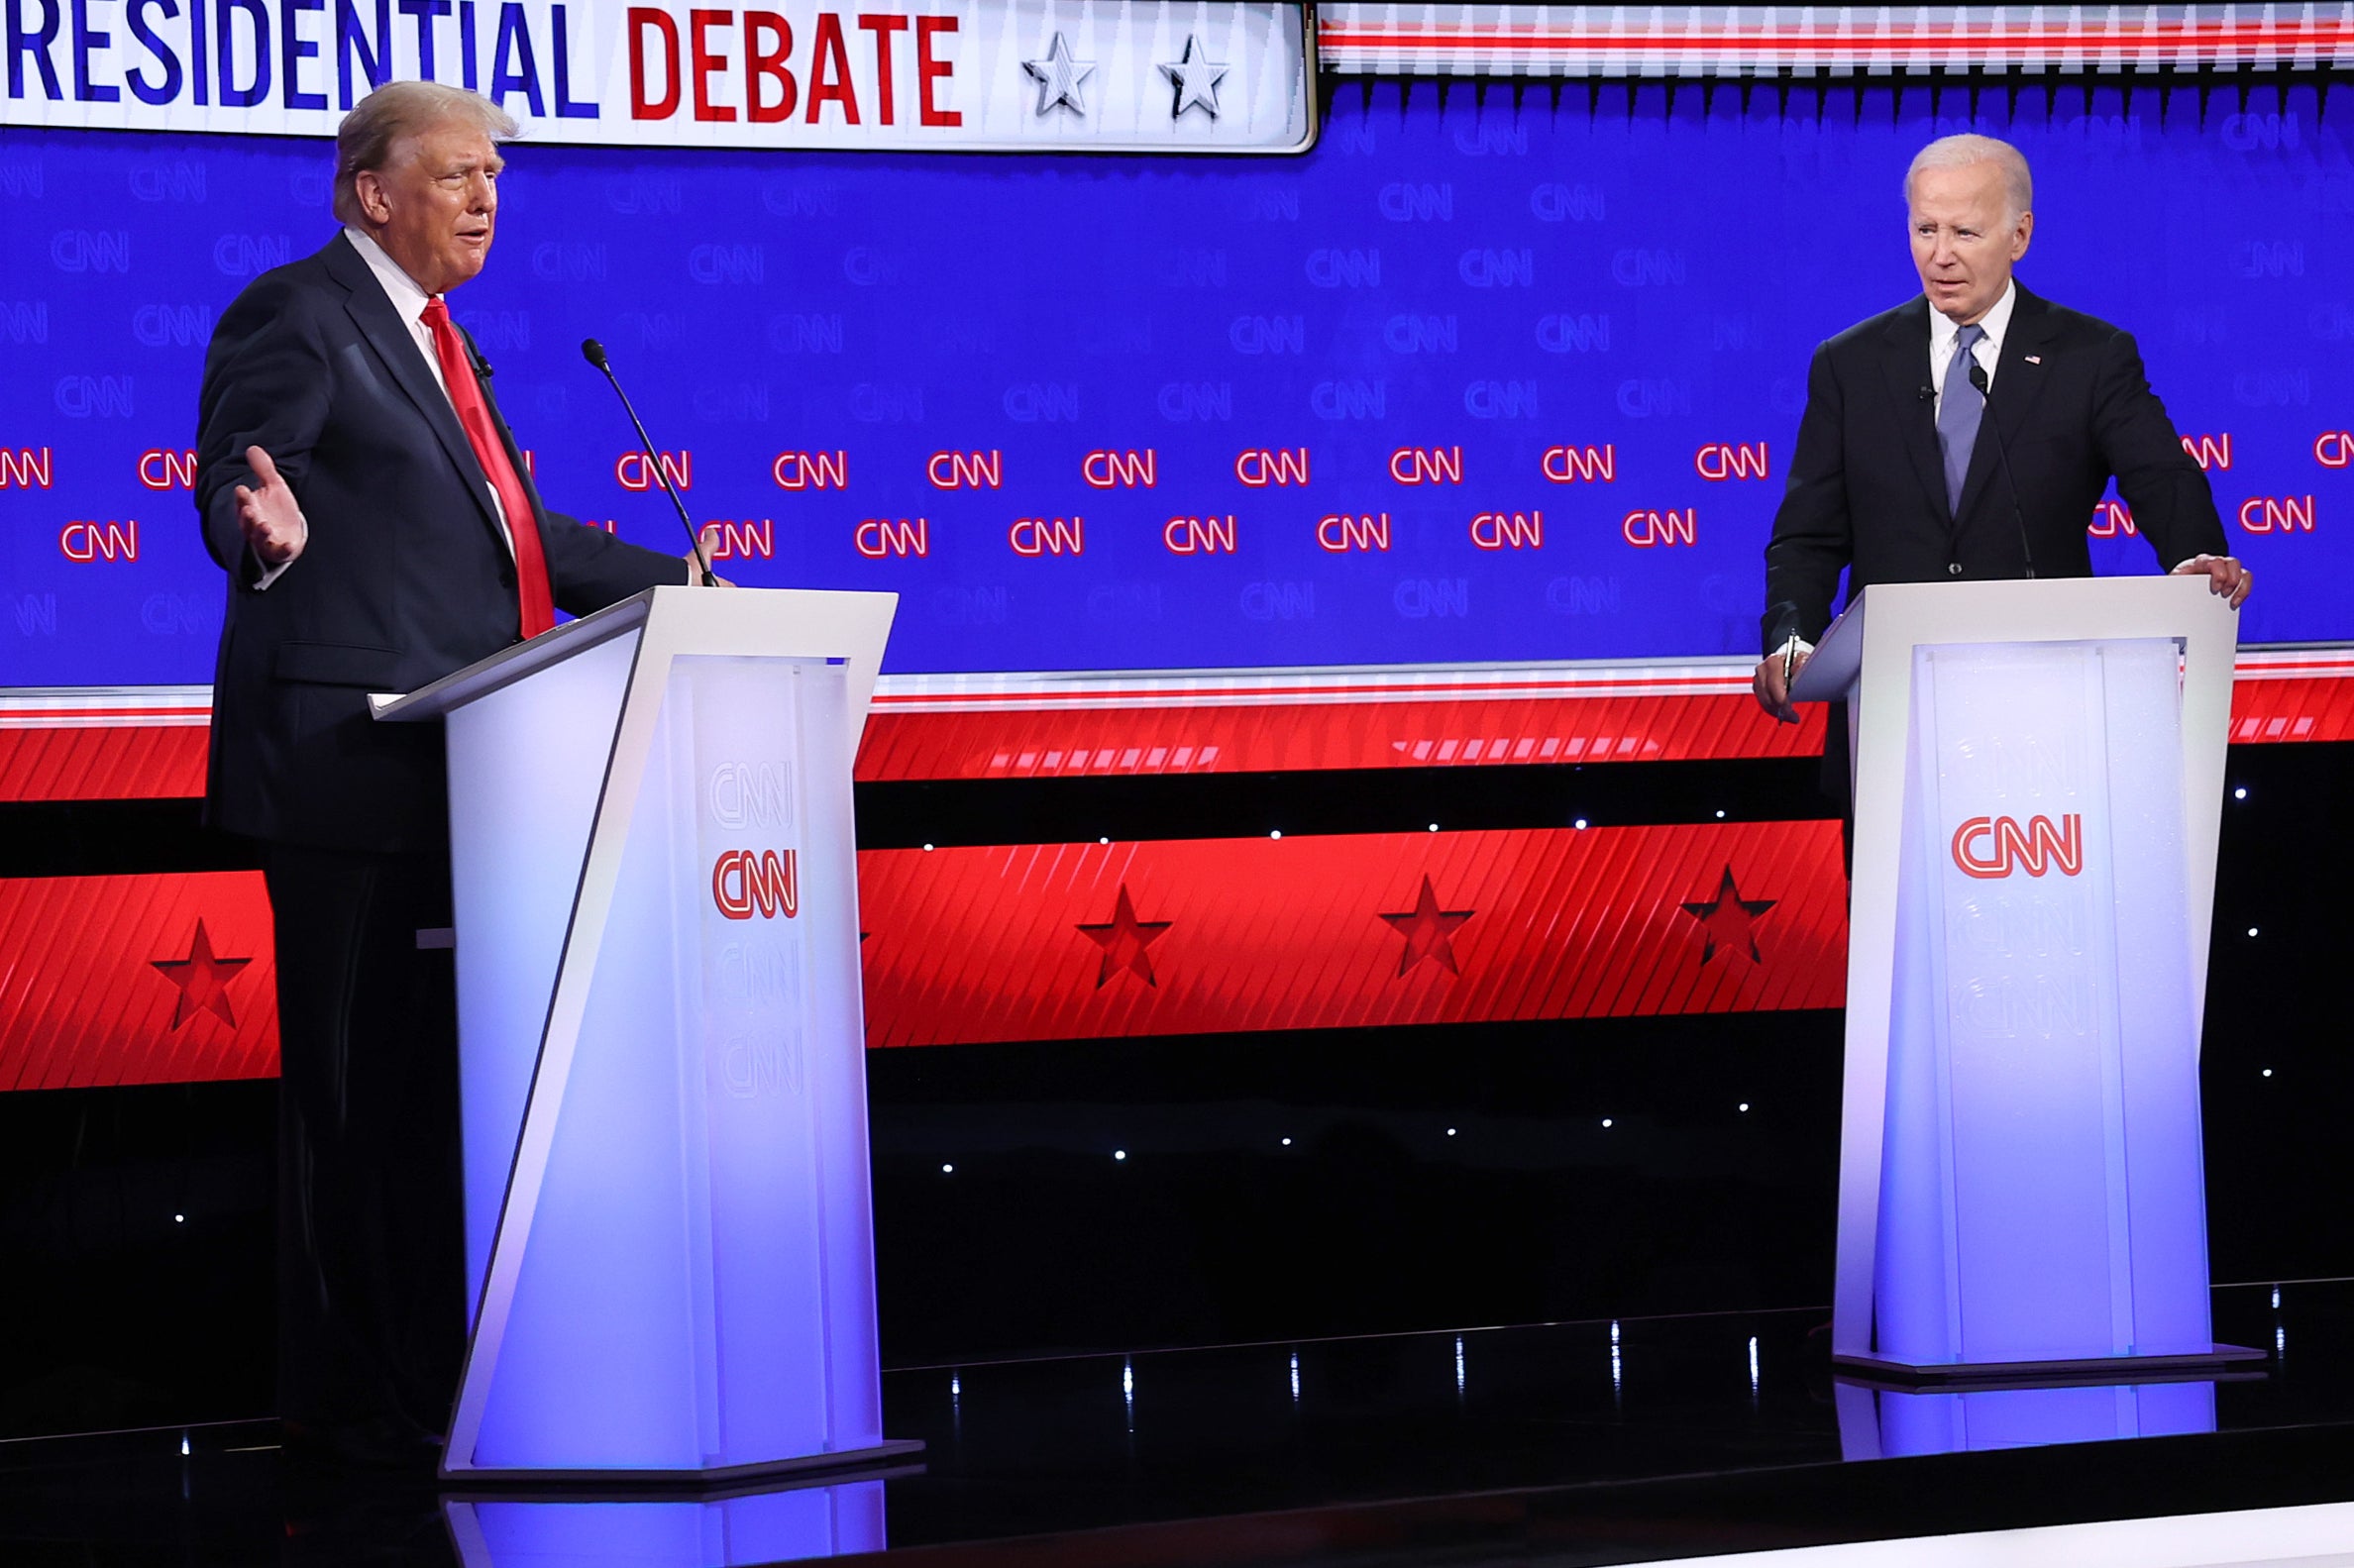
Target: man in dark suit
1897	475
379	530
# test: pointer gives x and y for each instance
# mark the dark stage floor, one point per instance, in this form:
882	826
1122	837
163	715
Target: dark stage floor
1573	1443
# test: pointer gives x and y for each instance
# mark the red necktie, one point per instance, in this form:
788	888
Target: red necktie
536	604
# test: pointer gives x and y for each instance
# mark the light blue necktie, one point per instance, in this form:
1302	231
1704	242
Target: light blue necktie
1958	413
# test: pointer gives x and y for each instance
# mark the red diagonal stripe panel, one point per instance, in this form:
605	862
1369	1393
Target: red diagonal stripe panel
105	981
1032	743
2281	709
989	944
130	762
125	754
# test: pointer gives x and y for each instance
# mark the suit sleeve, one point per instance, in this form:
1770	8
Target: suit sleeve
588	569
266	384
1813	538
2168	491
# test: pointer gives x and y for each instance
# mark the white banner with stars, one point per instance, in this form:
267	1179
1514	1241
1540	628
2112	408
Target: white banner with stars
888	75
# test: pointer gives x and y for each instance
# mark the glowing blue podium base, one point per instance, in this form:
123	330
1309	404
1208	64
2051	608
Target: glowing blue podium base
662	1056
664	1527
1880	1423
2038	787
2049	1374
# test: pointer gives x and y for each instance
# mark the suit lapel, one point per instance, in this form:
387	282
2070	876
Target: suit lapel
381	324
2021	382
1904	361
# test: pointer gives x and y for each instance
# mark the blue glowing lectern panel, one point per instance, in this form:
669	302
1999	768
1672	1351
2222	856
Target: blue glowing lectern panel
533	758
2039	772
668	1235
2043	1008
677	1305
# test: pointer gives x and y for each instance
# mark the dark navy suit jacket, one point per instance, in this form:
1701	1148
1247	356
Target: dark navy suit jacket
1867	485
405	575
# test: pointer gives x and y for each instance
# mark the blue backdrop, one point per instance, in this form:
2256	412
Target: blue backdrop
1636	282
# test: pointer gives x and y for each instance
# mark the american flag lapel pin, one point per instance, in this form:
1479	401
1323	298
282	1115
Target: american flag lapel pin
2035	359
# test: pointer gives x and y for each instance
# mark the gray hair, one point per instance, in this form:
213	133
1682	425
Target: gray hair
386	117
1961	152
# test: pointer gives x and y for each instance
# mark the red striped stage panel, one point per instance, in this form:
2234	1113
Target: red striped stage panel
1052	942
103	743
164	979
2291	696
149	743
108	980
1035	743
127	762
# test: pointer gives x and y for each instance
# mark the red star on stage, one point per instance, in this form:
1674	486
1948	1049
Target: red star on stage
1124	941
1428	930
203	980
1730	921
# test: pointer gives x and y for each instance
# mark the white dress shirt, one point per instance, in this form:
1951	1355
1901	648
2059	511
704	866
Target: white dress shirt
408	303
1987	350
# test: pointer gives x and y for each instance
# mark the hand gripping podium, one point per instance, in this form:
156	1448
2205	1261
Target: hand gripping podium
2038	782
669	1240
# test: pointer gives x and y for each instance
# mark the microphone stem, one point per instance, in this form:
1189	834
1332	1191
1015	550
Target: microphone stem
702	564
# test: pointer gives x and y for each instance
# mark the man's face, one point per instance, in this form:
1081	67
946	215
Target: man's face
1962	245
433	206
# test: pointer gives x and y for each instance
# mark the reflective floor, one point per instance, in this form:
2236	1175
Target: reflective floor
2320	1535
1642	1440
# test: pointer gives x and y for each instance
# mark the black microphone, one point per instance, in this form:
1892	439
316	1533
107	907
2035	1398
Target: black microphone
1926	392
1977	379
594	352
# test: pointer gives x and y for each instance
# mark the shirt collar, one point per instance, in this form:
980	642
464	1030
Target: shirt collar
407	299
1996	323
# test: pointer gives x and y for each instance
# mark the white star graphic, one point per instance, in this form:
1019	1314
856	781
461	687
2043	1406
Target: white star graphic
1196	77
1060	78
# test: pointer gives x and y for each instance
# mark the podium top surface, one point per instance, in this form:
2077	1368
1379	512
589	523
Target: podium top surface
784	623
2042	609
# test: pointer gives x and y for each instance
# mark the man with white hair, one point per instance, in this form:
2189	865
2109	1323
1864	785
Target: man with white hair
1897	477
380	529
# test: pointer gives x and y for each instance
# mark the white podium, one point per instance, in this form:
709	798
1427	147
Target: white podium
668	1209
2038	773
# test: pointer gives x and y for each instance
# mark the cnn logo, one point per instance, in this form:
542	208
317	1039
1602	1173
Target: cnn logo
1989	847
766	883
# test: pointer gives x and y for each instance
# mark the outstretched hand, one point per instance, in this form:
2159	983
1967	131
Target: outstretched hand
273	521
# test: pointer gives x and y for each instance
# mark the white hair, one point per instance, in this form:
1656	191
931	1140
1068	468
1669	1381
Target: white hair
1962	151
393	113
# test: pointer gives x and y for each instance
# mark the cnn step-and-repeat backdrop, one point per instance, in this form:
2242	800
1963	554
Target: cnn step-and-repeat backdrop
1473	379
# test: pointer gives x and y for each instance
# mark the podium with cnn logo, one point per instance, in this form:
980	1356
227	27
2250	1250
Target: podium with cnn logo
2038	771
669	1240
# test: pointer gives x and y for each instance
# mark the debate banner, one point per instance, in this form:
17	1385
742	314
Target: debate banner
918	75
